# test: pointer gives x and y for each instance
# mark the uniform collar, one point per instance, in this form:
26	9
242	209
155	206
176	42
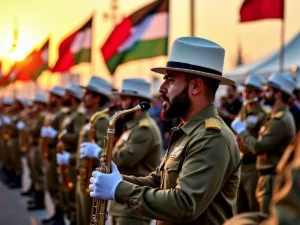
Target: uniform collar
192	124
283	108
130	124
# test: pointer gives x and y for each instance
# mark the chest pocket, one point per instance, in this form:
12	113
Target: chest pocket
171	172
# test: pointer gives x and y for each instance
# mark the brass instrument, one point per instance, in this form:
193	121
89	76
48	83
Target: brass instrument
62	170
99	207
44	141
87	166
24	136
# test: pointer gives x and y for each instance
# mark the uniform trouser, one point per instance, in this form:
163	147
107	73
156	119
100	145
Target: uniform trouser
264	192
16	156
1	150
83	206
128	220
52	184
37	169
246	200
8	155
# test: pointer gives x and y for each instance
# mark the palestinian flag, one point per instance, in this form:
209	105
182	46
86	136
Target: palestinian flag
34	64
142	35
76	48
10	77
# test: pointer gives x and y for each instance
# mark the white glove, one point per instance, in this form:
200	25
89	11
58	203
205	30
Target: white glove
89	150
104	185
20	125
238	126
48	132
6	120
63	159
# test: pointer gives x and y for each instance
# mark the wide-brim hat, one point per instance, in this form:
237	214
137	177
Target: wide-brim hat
254	81
99	85
282	82
7	101
197	56
40	97
58	90
135	87
75	90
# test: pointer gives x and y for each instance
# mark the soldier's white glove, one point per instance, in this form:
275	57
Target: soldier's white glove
89	150
20	125
238	126
6	120
49	132
63	159
104	185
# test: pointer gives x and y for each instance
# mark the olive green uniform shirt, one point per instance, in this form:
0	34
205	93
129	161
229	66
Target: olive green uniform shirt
274	136
197	181
137	153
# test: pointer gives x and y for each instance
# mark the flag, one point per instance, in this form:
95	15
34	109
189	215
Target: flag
74	49
9	77
143	34
1	72
34	64
253	10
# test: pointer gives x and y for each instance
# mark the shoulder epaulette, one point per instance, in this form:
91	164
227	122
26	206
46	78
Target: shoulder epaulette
266	110
212	123
144	123
80	110
278	115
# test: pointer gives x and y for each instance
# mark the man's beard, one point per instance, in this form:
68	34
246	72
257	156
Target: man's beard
67	103
53	104
178	107
270	100
129	116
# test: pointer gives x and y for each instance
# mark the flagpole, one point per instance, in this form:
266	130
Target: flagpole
282	40
192	18
92	66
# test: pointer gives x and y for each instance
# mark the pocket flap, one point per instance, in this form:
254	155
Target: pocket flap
172	165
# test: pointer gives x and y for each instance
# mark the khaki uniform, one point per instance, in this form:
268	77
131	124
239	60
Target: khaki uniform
72	125
56	119
7	156
137	153
197	181
274	137
36	160
13	143
83	199
246	201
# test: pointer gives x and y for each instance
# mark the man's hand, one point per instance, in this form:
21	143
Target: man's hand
63	159
238	126
104	185
20	125
89	150
49	132
6	120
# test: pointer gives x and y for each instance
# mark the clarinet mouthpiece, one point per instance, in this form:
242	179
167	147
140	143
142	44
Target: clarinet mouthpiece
144	106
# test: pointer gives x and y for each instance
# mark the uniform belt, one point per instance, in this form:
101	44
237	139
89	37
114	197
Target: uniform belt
270	171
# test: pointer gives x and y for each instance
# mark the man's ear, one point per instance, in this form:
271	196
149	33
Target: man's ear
196	86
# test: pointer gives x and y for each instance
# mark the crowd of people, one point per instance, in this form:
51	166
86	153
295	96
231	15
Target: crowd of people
189	159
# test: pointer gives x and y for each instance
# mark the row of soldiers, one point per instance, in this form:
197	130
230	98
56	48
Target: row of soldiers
63	143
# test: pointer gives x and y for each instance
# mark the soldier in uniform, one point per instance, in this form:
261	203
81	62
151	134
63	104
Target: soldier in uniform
37	166
68	139
51	127
95	98
197	181
13	144
5	170
139	148
274	136
255	115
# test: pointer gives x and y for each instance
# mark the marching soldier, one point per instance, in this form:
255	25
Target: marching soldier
13	143
274	136
197	181
5	170
51	127
254	115
68	138
95	98
37	166
139	148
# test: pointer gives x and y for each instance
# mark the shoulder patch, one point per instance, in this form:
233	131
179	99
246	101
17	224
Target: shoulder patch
266	110
278	115
80	110
144	123
212	123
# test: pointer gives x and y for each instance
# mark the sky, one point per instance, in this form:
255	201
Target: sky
217	20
